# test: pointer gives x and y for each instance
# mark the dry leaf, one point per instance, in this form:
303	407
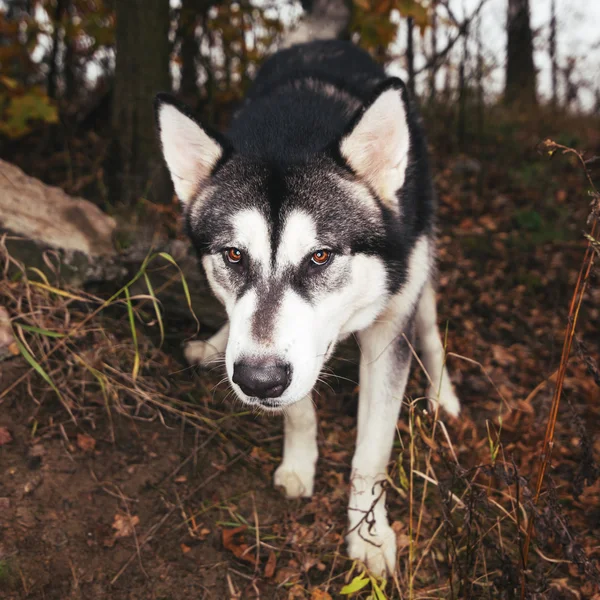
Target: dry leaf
320	595
5	437
271	564
124	525
233	540
85	442
185	549
503	356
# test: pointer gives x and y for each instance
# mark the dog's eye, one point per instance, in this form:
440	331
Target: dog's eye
320	257
233	255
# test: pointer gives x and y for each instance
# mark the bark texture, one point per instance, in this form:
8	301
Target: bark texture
520	70
142	70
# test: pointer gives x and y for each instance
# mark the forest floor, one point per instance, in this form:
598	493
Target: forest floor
146	481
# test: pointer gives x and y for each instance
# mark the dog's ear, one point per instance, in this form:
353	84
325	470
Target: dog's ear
190	151
377	143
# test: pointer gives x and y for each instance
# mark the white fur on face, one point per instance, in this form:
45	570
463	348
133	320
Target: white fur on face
189	152
304	332
377	148
251	234
299	238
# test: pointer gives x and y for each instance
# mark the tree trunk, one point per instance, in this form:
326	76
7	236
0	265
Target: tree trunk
191	11
552	44
61	7
410	56
433	70
520	70
142	70
462	94
480	90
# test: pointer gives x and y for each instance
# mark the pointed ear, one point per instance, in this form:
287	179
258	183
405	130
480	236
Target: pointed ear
189	150
378	141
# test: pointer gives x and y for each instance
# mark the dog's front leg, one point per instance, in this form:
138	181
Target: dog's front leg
296	473
384	367
207	352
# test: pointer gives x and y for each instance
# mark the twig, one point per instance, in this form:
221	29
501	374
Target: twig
576	301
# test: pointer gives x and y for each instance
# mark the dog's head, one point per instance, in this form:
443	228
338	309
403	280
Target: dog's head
292	250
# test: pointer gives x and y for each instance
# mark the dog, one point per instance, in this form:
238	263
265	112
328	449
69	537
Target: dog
314	219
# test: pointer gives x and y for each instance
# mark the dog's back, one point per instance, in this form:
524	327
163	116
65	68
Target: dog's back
303	99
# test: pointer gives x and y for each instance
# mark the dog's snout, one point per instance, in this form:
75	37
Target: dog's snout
265	378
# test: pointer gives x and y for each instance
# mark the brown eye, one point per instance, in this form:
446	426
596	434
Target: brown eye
320	257
233	255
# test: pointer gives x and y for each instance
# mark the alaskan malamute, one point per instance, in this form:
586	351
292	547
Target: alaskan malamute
314	219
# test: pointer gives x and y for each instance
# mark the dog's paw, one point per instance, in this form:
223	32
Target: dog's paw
200	353
376	550
446	397
297	480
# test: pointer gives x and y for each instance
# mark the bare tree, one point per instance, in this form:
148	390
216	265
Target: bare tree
188	20
410	55
520	71
436	60
433	69
61	9
462	91
553	60
571	86
479	79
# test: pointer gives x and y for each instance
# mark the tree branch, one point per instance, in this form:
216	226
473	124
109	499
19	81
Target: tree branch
462	29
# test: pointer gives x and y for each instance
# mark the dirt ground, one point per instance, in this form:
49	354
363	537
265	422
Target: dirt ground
68	496
132	504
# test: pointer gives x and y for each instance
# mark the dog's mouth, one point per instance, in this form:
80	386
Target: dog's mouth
269	405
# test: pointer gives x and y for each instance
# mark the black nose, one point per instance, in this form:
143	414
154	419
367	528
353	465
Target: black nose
264	378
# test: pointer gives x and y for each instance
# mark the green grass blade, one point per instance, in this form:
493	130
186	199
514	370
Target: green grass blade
40	370
40	331
357	584
136	360
186	289
156	308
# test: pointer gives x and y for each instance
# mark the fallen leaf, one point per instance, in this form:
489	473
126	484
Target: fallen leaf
5	437
287	575
85	442
320	595
271	564
33	483
296	592
503	356
124	525
234	541
185	549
